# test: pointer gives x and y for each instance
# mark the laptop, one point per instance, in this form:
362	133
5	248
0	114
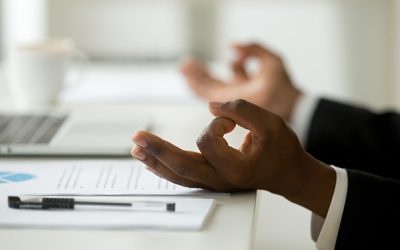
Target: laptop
62	134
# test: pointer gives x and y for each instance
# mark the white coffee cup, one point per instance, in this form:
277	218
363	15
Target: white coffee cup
38	71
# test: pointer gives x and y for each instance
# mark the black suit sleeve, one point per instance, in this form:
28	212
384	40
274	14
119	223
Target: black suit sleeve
355	138
371	216
368	145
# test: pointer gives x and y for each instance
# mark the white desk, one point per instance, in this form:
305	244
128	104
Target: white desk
238	222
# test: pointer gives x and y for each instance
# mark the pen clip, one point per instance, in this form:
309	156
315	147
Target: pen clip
14	202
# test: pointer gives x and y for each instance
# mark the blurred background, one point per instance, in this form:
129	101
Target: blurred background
346	49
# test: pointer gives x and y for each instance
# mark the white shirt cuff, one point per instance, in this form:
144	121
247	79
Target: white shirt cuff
327	230
330	228
302	115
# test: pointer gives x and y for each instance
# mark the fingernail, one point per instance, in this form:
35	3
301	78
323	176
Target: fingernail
142	143
137	153
215	105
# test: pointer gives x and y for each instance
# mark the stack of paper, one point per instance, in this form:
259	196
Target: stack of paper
126	179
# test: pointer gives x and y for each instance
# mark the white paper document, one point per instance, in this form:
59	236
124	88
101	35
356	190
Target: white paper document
86	177
190	214
98	180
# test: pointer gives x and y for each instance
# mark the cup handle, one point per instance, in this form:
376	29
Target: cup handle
76	65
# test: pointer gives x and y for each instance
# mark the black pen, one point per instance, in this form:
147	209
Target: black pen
70	203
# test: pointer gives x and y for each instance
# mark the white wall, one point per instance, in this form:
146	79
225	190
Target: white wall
343	48
122	29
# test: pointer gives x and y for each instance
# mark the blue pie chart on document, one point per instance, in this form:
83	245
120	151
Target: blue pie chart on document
10	177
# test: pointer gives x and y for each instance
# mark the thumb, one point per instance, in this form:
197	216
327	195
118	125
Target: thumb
239	71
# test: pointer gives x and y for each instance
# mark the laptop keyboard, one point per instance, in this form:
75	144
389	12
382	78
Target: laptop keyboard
29	129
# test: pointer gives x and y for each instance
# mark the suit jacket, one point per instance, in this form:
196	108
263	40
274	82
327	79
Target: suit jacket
368	146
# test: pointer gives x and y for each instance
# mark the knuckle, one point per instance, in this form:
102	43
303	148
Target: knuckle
238	105
182	169
203	140
266	137
274	121
255	45
278	121
273	130
155	149
279	124
182	166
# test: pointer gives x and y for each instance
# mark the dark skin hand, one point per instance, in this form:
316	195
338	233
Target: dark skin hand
270	158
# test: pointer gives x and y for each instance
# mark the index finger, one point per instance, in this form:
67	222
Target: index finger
244	113
253	50
177	160
213	145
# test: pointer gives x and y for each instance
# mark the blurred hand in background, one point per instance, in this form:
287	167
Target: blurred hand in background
269	87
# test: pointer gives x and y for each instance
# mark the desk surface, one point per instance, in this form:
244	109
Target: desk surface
238	222
220	232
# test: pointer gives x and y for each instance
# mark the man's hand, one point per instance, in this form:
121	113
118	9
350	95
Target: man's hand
270	87
270	158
